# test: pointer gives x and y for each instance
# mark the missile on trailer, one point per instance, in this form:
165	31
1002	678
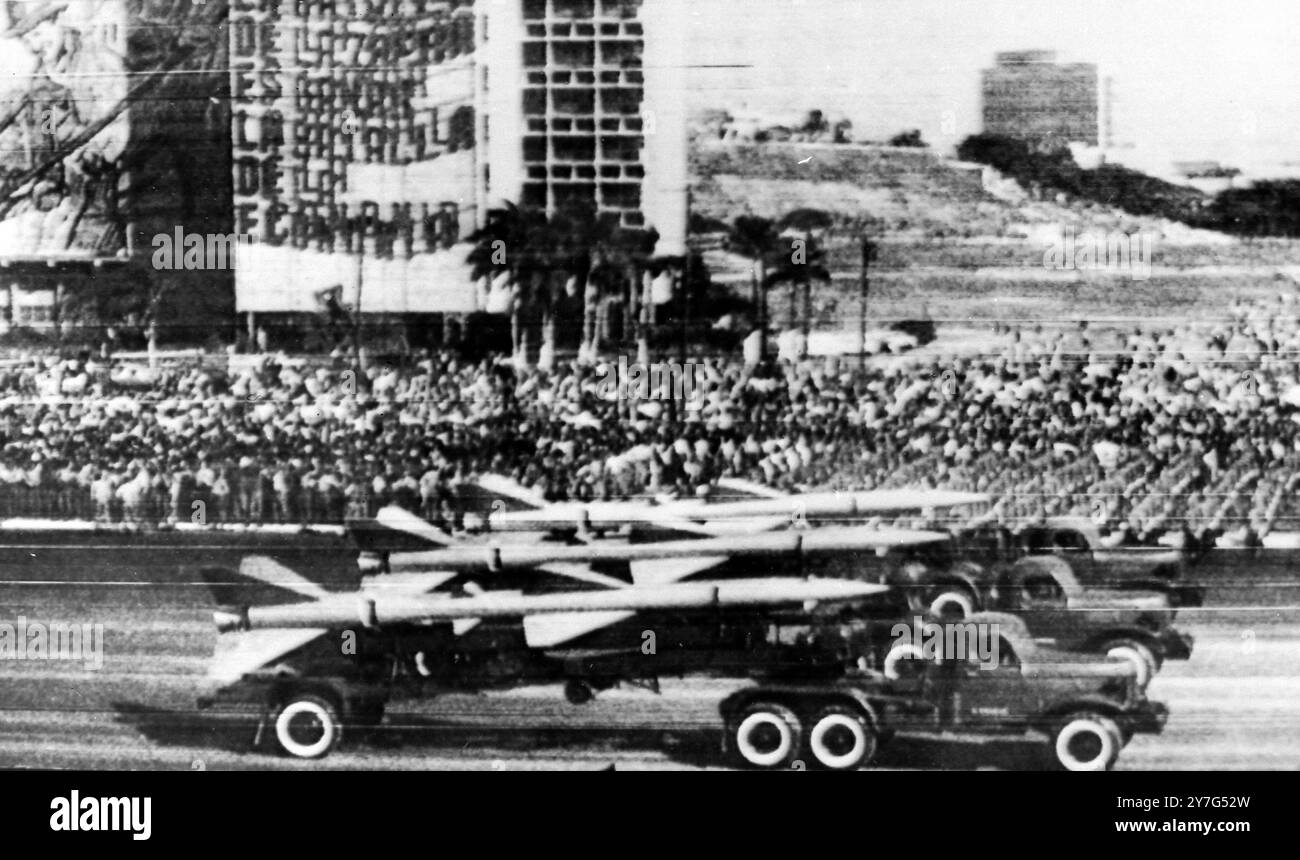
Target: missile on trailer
606	515
373	610
833	505
498	556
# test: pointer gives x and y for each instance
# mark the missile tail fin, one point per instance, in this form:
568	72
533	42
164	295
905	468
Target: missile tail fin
259	582
404	522
492	493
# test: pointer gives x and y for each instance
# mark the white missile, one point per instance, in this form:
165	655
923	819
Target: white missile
373	610
833	505
831	539
829	506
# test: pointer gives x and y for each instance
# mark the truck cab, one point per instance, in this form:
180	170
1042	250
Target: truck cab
1087	709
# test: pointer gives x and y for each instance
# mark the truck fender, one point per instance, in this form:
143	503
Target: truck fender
1089	702
1076	533
863	702
966	576
1141	634
1026	570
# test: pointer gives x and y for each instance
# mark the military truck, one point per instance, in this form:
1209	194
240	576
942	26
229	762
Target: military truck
988	567
1084	709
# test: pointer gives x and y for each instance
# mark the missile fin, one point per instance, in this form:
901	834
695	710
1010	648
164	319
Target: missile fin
404	521
661	571
461	626
268	571
237	654
547	631
407	582
582	572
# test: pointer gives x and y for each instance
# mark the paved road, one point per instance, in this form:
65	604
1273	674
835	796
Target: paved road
1235	704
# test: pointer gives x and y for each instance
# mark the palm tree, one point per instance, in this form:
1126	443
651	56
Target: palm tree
541	256
618	257
809	265
533	292
799	268
756	238
805	219
600	274
569	240
507	244
636	247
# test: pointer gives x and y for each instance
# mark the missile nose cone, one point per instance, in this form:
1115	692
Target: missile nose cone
230	620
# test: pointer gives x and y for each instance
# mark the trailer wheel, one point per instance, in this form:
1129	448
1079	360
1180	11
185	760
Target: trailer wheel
1085	741
1142	658
307	726
766	735
841	738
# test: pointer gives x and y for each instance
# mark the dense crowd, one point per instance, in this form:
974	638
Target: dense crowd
1144	430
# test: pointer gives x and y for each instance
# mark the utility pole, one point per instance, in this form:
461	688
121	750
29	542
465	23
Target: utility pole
686	305
686	281
356	317
806	328
868	252
762	310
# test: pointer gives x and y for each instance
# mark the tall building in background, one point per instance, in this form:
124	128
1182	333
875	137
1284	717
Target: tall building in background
112	131
1030	96
1109	133
370	137
602	116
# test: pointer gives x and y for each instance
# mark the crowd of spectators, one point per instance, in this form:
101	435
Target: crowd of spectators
1144	430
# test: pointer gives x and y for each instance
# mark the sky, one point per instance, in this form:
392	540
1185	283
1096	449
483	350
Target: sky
1192	78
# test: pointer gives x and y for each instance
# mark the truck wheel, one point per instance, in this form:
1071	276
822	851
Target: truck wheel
1138	655
767	735
307	726
1086	741
841	738
952	603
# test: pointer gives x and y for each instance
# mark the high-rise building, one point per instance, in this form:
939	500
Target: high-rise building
370	137
112	131
600	111
1030	96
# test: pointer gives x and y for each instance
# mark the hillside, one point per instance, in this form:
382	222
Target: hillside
959	242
